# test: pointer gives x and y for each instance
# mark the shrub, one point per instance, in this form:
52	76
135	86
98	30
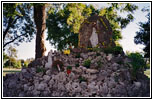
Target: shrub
98	54
82	79
40	69
26	64
117	50
77	65
69	67
97	49
77	55
87	63
12	62
114	50
137	62
99	63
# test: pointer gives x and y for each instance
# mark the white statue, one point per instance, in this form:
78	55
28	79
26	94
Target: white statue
50	60
94	38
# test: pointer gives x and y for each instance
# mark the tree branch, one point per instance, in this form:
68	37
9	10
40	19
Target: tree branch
10	23
13	40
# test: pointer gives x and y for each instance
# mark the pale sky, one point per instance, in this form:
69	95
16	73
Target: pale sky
27	50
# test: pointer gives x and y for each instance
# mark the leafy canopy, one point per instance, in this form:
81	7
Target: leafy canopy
63	23
143	35
18	25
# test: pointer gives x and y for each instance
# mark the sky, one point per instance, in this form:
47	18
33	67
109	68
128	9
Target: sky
27	50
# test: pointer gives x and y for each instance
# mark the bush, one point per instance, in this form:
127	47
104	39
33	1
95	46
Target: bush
114	50
87	63
26	64
82	79
12	62
137	62
77	55
77	65
69	68
40	69
99	63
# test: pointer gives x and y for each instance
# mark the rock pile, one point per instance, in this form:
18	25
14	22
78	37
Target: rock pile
108	76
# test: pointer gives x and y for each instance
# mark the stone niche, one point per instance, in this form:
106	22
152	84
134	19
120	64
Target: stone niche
95	31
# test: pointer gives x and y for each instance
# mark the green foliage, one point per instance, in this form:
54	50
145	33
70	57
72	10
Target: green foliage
18	25
12	62
82	79
114	50
69	67
120	62
62	24
77	65
77	55
96	49
40	69
99	63
143	35
98	54
5	57
87	63
26	64
137	63
12	52
116	21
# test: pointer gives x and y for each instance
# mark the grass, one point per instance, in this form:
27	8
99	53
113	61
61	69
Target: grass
10	70
147	73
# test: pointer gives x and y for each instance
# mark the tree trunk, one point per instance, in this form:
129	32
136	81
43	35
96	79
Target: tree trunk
39	18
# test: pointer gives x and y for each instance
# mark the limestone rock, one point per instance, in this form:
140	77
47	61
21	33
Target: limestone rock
109	57
46	77
91	71
41	86
137	84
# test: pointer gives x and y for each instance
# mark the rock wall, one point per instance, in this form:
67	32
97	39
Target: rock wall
109	79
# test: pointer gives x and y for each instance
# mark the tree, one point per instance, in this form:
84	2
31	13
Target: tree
39	18
143	35
12	52
17	23
64	24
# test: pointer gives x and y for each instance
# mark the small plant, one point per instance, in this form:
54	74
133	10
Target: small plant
137	63
40	69
77	65
87	63
82	79
69	68
117	50
95	49
77	55
99	63
90	49
116	78
120	62
114	50
98	54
